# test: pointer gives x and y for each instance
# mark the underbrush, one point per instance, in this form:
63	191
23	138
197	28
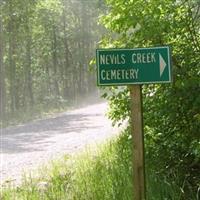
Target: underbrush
103	173
35	112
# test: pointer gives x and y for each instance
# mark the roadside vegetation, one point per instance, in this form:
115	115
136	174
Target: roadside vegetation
44	111
34	113
101	173
171	111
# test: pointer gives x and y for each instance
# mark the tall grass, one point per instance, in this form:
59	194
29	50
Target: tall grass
103	173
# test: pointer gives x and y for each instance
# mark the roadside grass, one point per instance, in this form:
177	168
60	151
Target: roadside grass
103	173
36	112
50	107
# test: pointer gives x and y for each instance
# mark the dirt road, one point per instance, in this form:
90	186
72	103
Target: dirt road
27	146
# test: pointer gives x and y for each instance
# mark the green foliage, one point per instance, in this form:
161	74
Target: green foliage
119	103
107	174
45	52
103	173
171	112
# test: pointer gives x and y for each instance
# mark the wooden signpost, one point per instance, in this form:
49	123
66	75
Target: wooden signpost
134	67
138	143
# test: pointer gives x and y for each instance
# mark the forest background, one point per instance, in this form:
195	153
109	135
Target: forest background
45	50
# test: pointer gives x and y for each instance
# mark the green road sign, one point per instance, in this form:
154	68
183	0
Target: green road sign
133	66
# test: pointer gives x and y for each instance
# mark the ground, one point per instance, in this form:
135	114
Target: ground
25	147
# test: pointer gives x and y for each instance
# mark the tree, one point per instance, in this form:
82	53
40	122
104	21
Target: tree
171	112
28	15
2	72
45	51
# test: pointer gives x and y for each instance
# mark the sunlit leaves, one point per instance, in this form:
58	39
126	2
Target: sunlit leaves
171	112
50	5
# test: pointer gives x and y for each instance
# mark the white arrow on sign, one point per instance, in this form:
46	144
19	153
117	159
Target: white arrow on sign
162	65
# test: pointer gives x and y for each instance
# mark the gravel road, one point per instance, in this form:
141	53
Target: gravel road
26	147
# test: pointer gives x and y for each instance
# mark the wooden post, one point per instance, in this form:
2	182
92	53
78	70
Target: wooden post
138	143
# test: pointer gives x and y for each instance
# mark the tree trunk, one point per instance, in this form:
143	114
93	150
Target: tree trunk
67	65
55	62
28	96
11	58
2	75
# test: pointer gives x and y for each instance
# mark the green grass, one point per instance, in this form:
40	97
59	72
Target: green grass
103	173
36	112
